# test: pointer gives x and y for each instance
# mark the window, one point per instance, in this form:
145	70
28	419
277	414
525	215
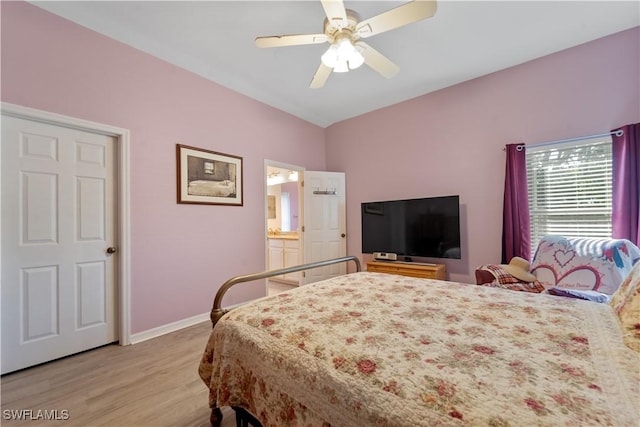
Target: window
208	167
570	189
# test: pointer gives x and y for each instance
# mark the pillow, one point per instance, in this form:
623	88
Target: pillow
484	276
584	264
574	293
505	280
535	286
626	304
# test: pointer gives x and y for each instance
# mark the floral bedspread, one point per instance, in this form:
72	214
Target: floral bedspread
372	349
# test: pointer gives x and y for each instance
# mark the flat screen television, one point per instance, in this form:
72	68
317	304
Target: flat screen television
426	227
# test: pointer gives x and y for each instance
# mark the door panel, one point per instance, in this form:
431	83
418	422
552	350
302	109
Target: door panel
91	209
39	296
58	205
39	197
91	293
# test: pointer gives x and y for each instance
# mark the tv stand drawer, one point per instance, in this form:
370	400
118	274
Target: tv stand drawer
424	271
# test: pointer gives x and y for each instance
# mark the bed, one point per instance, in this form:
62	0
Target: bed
203	187
383	350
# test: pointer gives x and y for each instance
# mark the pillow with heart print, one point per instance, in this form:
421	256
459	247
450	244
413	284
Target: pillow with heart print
583	264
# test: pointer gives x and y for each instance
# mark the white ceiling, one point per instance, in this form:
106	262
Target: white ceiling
464	40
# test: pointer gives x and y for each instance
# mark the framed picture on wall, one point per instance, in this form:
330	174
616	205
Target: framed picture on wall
208	177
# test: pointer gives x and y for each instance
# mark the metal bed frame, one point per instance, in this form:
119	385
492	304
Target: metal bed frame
243	418
217	311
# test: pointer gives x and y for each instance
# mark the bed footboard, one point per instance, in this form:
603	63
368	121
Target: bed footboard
217	311
243	418
216	417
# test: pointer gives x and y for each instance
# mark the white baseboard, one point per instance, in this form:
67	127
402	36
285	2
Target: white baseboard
175	326
171	327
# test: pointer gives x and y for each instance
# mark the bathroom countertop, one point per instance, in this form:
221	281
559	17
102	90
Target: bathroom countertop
284	236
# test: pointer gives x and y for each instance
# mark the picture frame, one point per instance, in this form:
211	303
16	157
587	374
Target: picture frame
208	177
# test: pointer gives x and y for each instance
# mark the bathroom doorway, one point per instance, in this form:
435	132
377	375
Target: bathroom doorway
283	207
305	221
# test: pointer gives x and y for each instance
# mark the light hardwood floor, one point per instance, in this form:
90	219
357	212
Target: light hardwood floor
153	383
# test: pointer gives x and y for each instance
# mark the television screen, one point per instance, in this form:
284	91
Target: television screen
427	227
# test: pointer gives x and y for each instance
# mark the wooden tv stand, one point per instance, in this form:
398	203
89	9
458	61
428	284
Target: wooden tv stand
412	269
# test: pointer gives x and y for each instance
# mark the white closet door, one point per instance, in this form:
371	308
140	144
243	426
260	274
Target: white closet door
58	276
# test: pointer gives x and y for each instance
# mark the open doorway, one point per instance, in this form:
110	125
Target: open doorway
283	209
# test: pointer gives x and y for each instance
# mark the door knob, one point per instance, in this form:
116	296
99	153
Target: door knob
111	250
343	235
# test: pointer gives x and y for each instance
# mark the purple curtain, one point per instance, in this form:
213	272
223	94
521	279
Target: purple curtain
626	184
516	239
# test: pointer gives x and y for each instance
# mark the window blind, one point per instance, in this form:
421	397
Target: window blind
570	189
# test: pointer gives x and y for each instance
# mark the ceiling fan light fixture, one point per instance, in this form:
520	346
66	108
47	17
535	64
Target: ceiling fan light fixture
343	29
342	56
341	67
344	46
356	60
331	58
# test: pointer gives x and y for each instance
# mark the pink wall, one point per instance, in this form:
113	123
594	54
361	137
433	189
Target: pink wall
181	254
451	141
447	142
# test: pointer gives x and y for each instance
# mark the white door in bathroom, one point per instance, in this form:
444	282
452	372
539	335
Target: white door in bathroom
324	223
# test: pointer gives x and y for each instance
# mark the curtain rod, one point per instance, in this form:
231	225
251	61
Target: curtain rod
521	147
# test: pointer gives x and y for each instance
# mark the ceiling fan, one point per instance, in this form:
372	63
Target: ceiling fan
344	30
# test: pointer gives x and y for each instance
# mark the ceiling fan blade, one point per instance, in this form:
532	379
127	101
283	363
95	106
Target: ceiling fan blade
402	15
320	77
336	13
290	40
377	61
